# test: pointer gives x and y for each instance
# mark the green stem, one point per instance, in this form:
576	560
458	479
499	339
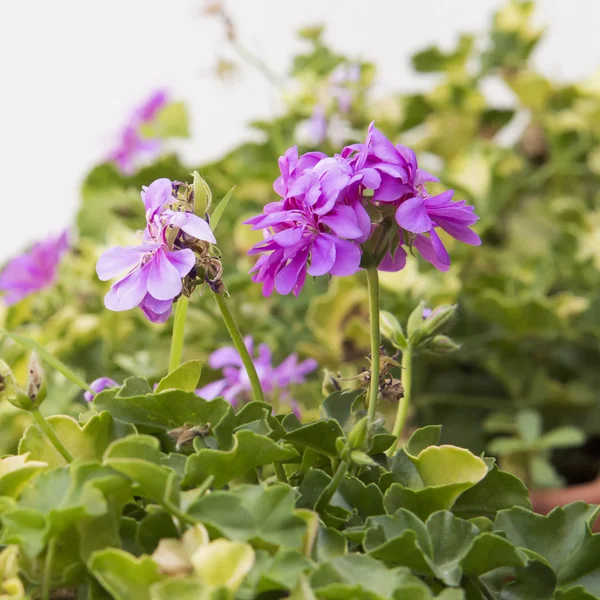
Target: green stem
373	282
406	376
47	580
238	342
280	472
45	427
178	329
334	484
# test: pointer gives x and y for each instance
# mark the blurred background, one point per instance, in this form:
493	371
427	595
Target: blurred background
501	99
72	70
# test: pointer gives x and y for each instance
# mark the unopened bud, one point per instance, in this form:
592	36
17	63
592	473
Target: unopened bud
362	459
340	446
443	344
358	434
413	326
10	391
391	329
438	319
36	382
202	195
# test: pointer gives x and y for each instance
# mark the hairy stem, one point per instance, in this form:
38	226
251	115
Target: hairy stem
178	330
47	580
51	435
406	377
238	342
334	484
373	281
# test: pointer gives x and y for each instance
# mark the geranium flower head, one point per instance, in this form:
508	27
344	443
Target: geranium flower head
133	147
33	270
235	385
155	268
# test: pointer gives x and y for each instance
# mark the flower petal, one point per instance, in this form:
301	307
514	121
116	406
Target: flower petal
192	224
117	260
182	260
347	257
322	255
164	282
287	278
412	215
342	221
129	292
157	194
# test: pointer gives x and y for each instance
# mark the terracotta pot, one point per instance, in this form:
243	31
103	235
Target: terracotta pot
544	500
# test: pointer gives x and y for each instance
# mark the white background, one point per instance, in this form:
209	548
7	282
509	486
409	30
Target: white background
70	71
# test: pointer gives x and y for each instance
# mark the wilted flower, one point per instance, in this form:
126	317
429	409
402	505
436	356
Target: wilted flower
133	146
34	270
235	386
156	267
99	385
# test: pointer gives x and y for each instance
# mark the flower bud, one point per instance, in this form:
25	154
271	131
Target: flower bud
413	326
36	382
438	319
362	459
340	446
202	195
10	391
358	434
391	329
443	344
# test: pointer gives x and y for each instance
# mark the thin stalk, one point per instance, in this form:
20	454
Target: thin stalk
51	435
334	484
406	378
373	282
47	580
238	342
280	472
178	330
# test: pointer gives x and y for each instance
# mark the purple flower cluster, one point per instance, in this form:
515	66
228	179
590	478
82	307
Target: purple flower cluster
155	268
235	385
99	385
132	145
321	224
34	270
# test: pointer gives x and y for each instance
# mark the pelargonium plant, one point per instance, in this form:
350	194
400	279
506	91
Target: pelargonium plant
33	271
177	492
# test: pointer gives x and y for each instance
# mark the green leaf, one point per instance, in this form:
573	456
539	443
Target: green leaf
535	581
164	411
220	209
188	588
555	537
338	406
490	551
139	458
443	465
311	488
330	543
283	572
498	490
358	576
124	576
154	527
16	472
30	344
253	514
319	435
423	438
353	494
249	451
185	377
132	386
84	443
259	412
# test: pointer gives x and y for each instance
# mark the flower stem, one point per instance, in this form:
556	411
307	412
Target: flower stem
406	377
334	484
280	472
51	435
373	281
178	329
240	346
47	580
